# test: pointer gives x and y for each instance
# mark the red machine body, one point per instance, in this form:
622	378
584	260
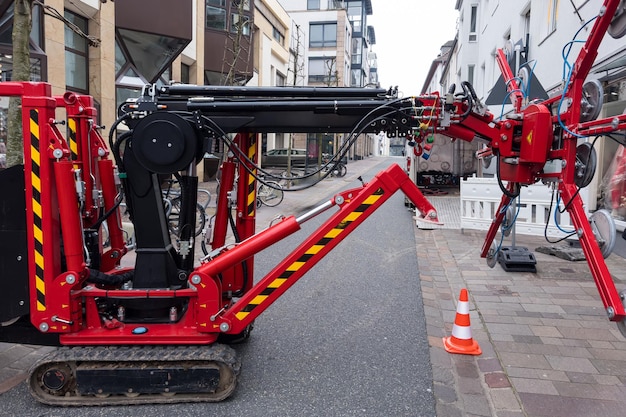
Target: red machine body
78	295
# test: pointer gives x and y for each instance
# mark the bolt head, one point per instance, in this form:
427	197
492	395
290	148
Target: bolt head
44	327
224	327
70	279
610	312
196	279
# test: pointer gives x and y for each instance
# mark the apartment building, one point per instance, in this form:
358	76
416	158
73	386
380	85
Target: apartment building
336	42
272	37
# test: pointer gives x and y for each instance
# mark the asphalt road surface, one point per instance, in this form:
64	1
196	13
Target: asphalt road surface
348	339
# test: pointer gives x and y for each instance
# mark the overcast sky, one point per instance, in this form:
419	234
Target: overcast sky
409	35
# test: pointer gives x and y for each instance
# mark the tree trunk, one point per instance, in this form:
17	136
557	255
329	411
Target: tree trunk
22	22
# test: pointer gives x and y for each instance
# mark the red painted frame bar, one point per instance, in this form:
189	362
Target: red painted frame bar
595	260
355	206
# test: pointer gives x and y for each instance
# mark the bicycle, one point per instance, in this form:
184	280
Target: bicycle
338	168
269	193
172	201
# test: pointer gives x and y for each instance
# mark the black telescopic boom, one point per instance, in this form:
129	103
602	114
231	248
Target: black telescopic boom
269	92
321	106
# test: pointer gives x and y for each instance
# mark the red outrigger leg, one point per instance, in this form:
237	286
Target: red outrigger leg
355	206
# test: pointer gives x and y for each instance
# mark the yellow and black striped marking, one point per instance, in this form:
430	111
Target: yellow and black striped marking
71	125
310	253
35	158
251	190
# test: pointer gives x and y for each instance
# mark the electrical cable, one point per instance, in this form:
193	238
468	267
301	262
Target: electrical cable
545	229
567	80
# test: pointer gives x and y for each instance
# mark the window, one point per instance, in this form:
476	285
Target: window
356	78
184	73
216	16
280	79
470	74
238	3
280	38
240	24
548	11
357	50
552	14
322	35
76	54
526	23
322	70
473	23
313	4
355	14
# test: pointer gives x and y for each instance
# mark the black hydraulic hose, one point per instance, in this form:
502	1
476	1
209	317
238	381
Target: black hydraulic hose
106	215
99	277
504	190
116	156
468	87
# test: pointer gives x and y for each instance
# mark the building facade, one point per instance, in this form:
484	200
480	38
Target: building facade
272	37
335	39
112	49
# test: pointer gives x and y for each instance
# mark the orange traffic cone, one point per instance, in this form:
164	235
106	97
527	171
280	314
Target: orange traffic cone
461	340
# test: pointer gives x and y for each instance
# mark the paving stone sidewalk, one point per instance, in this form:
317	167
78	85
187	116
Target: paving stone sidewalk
548	347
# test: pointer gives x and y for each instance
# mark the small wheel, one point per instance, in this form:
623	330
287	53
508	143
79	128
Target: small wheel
617	28
54	379
591	101
173	218
603	227
271	193
492	255
586	162
341	170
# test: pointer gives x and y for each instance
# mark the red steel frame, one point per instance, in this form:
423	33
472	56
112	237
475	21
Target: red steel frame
59	298
207	316
565	179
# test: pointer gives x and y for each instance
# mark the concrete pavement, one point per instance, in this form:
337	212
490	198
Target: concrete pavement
548	348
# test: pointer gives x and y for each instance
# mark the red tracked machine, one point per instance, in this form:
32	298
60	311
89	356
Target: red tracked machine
157	332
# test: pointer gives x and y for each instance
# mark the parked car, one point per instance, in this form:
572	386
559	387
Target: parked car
278	158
